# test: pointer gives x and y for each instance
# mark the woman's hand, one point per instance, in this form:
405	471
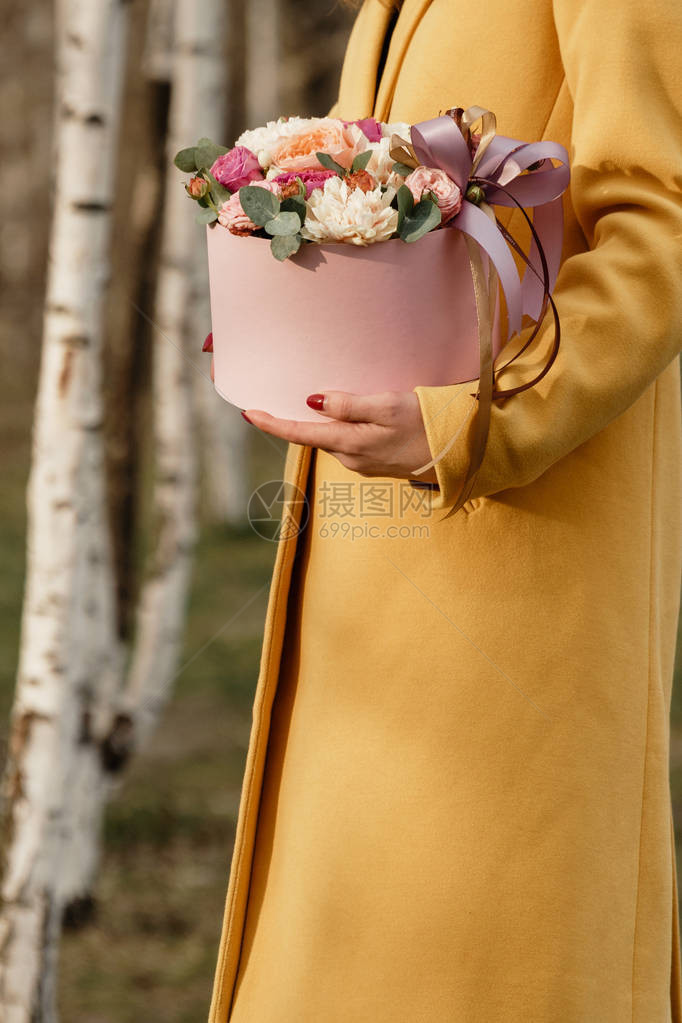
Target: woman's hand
371	434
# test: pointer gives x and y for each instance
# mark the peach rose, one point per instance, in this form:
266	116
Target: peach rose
432	179
341	141
232	216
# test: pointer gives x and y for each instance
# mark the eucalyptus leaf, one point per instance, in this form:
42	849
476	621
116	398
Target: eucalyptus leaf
331	164
206	216
185	160
284	245
258	204
294	204
283	224
402	169
424	217
361	160
219	193
405	201
207	152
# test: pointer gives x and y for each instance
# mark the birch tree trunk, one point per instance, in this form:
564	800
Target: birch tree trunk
69	650
161	611
224	434
263	62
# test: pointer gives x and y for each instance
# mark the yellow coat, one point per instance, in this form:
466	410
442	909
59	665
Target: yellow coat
465	809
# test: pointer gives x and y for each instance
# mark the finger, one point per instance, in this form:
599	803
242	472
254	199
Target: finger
317	435
355	408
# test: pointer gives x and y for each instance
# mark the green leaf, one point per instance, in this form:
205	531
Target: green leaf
219	193
283	245
283	224
361	160
258	204
207	152
402	169
185	160
405	201
294	205
424	217
206	216
331	164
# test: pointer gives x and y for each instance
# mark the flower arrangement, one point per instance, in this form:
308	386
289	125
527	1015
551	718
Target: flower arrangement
323	191
320	179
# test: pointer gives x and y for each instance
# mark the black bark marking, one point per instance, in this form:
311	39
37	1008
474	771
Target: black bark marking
76	341
117	746
91	207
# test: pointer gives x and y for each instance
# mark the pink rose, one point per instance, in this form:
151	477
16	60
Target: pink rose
237	168
370	127
232	216
432	179
341	141
312	179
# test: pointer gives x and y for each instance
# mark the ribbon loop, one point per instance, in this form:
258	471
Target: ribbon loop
510	173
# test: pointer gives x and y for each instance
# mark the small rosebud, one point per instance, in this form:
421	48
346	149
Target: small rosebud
475	194
197	188
290	189
362	180
208	343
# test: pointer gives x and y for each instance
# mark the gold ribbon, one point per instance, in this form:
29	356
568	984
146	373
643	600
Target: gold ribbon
465	121
403	152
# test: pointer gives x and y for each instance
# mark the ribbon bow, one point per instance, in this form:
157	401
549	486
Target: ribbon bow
504	172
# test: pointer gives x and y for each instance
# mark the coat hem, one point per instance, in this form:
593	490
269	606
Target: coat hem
250	800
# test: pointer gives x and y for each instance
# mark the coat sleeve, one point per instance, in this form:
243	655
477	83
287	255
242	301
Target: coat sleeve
620	302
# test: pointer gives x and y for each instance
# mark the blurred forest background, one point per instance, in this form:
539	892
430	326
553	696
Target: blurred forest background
144	945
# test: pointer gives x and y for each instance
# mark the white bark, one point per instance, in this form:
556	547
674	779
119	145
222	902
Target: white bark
158	55
263	62
69	656
161	611
224	434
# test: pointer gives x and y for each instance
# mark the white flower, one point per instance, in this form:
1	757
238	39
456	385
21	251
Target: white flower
397	128
381	163
338	213
262	141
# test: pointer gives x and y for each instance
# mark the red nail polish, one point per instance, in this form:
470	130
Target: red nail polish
315	401
208	343
246	417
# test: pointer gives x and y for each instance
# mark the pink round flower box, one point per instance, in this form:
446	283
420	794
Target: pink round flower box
363	319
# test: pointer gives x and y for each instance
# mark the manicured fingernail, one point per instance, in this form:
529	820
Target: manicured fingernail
208	343
315	401
244	415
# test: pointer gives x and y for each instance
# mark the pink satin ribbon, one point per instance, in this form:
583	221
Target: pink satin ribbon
440	143
498	167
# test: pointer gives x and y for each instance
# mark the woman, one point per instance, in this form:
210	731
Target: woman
456	803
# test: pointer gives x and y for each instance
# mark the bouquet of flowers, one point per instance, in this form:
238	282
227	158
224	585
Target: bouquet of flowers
318	180
345	313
